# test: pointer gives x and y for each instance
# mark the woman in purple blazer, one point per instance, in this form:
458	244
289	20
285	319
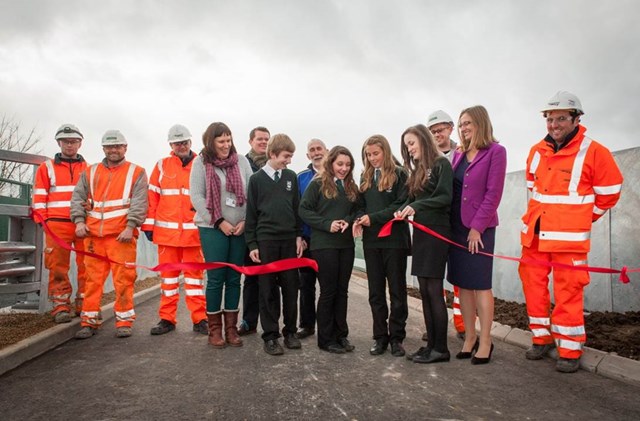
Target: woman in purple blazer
479	172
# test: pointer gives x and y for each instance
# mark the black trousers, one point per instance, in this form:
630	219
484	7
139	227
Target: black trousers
250	297
335	267
387	265
307	293
270	287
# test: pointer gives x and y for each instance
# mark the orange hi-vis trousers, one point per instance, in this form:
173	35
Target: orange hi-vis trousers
458	322
565	324
97	273
57	261
193	283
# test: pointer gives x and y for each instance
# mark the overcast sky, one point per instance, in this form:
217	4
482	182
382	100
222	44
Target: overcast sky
336	70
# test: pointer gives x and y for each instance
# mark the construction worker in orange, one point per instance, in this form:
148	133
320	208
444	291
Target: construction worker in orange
573	180
108	205
169	224
54	183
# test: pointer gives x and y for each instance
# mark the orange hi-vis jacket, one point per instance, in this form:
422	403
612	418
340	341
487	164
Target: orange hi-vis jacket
571	189
111	191
170	214
54	183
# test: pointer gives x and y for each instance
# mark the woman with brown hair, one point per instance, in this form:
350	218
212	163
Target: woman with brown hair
429	202
328	206
218	189
479	172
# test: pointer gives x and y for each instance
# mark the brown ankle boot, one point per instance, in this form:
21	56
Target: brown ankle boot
231	328
215	330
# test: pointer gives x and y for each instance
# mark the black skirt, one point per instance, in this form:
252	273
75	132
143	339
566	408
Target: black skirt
429	254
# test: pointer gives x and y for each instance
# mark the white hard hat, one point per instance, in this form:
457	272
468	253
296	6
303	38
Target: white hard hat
438	117
178	133
68	131
113	137
563	100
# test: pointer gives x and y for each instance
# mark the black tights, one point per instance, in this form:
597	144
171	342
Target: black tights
435	311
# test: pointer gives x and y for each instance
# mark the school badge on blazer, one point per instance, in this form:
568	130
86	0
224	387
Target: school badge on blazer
289	186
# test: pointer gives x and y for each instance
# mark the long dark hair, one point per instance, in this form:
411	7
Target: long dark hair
214	130
419	170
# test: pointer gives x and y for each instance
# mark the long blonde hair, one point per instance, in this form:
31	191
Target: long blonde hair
326	176
388	176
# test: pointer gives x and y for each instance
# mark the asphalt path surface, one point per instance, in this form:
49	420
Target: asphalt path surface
178	376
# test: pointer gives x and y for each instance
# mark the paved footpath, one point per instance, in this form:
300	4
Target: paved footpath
177	376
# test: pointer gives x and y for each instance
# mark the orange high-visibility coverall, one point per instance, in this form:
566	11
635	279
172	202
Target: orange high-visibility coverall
170	218
571	188
458	322
54	183
117	198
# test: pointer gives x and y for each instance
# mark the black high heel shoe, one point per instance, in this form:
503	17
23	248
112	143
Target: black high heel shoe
466	355
475	360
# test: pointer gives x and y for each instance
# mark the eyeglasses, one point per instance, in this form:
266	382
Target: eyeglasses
463	124
69	142
113	146
179	144
561	120
438	131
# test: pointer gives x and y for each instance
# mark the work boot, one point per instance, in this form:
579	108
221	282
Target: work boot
215	330
537	352
567	365
163	326
230	328
62	317
85	333
123	332
201	327
78	306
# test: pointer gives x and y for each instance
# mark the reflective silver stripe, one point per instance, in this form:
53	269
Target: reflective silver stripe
599	211
52	173
170	281
61	189
578	163
540	332
193	281
170	192
164	224
40	191
193	292
456	300
189	226
126	193
568	330
525	228
457	311
535	161
567	344
154	189
161	171
545	321
170	292
185	191
563	199
90	314
148	221
530	184
124	315
39	205
615	189
61	296
108	215
580	262
111	203
60	204
565	236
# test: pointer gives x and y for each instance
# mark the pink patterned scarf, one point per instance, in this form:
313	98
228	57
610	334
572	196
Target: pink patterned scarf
234	184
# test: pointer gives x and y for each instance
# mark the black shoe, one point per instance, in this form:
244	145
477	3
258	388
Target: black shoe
272	347
538	352
433	357
476	361
202	327
291	342
344	342
568	365
304	332
378	347
244	329
462	355
333	348
163	326
425	336
423	350
397	350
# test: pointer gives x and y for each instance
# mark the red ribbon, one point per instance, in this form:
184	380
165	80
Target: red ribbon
385	231
277	266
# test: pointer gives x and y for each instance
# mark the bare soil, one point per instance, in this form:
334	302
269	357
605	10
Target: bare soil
15	327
